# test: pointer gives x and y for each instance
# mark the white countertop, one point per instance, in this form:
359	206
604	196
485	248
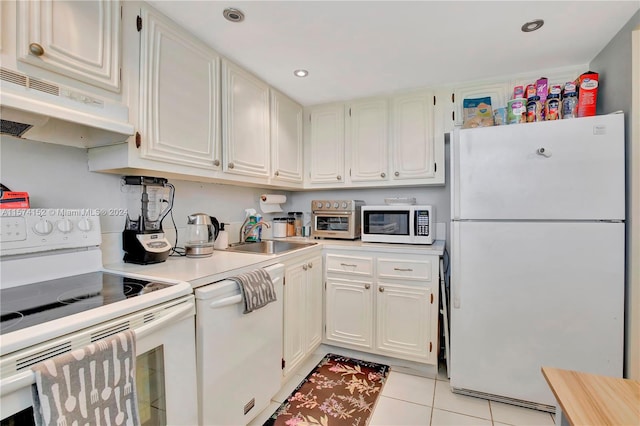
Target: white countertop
223	264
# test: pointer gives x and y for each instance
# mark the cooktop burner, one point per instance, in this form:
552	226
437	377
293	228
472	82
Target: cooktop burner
33	304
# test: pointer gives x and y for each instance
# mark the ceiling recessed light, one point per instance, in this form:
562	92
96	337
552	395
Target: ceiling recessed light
233	15
530	26
301	73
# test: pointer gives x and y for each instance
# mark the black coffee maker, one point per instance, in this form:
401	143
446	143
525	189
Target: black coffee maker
149	200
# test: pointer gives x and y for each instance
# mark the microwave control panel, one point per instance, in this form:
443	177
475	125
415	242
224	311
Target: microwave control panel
422	223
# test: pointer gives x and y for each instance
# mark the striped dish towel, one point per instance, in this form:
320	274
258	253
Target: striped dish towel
93	385
256	288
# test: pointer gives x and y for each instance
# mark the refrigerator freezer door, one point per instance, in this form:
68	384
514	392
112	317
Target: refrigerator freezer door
566	169
533	294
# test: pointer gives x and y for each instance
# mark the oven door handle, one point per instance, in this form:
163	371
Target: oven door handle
28	377
152	326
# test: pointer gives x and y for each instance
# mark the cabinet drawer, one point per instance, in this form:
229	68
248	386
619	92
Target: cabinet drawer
405	269
352	265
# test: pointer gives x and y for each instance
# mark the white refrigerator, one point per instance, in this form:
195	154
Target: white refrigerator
537	255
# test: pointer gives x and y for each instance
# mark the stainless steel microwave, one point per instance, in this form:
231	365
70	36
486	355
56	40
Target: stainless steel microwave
406	224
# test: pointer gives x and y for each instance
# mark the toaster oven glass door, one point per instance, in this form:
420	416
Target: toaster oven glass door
386	222
333	223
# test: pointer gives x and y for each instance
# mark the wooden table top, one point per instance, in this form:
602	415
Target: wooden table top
590	399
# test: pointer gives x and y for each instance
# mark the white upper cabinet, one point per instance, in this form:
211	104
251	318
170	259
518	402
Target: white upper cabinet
367	140
326	144
78	39
245	119
286	139
179	95
413	139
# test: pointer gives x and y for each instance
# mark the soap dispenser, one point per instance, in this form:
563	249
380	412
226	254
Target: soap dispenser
222	242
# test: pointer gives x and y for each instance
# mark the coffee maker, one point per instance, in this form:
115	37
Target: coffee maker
149	200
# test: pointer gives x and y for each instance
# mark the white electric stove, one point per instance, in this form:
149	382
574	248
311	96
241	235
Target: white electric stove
55	297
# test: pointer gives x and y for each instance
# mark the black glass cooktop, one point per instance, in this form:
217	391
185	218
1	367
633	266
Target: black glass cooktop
37	303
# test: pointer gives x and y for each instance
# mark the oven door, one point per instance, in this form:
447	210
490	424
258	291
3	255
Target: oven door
333	225
165	366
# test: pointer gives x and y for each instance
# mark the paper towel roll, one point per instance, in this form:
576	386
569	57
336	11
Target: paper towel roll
270	203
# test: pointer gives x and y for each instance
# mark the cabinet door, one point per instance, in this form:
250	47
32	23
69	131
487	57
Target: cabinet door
327	144
349	310
245	120
498	92
403	320
179	95
412	137
367	138
313	296
295	309
79	39
286	139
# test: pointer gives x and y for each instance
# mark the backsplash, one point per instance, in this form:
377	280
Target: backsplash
58	176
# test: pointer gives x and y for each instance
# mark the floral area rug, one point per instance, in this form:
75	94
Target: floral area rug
339	391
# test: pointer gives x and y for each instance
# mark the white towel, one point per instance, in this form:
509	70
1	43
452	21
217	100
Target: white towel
257	289
93	385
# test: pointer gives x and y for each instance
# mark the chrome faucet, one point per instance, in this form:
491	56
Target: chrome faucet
244	234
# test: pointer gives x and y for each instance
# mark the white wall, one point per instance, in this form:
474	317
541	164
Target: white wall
58	176
617	77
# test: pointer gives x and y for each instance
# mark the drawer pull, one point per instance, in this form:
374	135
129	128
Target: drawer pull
381	289
367	286
310	264
349	264
403	269
305	267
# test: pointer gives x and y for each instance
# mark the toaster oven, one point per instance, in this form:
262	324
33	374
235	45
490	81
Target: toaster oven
336	219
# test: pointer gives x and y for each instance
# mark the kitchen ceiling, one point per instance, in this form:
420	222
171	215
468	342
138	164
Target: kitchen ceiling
355	49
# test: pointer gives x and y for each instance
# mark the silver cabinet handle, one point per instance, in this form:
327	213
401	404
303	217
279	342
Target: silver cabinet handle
277	173
403	269
231	165
381	289
339	177
349	264
383	175
305	267
397	174
310	264
36	49
216	163
367	286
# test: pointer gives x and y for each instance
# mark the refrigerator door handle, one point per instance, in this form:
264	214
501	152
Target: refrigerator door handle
455	264
543	152
455	175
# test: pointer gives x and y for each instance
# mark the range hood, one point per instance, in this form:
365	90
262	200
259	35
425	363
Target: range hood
42	111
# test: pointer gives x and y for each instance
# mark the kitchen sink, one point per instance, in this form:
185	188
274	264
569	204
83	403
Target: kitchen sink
268	246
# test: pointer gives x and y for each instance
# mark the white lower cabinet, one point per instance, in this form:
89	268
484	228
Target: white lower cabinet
390	309
302	310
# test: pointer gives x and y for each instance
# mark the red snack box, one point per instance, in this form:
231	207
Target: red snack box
587	85
14	200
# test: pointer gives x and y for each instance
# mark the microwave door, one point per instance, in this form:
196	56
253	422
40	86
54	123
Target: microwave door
387	222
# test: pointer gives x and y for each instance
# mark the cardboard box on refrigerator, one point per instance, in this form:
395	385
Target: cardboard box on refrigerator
587	85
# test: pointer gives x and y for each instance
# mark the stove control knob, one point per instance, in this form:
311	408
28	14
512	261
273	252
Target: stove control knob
65	226
336	205
84	225
344	205
43	227
319	205
327	205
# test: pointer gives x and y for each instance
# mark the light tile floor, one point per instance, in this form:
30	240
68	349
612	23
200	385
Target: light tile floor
413	400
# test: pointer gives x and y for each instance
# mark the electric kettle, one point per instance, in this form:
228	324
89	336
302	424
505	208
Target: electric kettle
202	230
